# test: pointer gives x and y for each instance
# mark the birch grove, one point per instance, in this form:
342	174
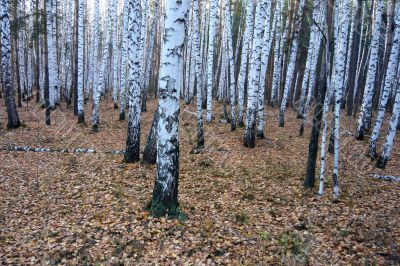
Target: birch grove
254	67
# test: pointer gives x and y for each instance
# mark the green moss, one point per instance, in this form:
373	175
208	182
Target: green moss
159	209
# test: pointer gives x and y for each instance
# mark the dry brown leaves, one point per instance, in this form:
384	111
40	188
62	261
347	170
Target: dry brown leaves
244	206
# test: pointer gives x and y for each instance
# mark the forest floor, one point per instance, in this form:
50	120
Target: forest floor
243	206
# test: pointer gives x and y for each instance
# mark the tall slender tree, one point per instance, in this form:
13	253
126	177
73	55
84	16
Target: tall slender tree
80	40
133	140
165	193
13	118
364	119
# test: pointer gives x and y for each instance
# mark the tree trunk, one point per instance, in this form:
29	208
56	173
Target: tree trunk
13	118
133	139
165	193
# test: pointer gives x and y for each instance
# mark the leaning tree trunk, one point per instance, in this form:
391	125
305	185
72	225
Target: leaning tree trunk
165	193
133	140
387	148
364	119
13	119
390	81
355	47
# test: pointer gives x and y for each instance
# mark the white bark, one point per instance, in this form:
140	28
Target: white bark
133	139
231	77
390	82
210	56
366	108
266	48
245	57
124	48
340	68
388	146
166	185
292	64
277	53
81	115
254	78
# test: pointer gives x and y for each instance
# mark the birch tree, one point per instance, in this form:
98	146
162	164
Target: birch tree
80	40
210	56
390	82
165	193
388	146
266	48
364	119
254	78
245	58
292	64
132	151
124	48
13	118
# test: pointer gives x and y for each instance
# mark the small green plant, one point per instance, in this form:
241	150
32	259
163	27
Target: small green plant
241	218
264	235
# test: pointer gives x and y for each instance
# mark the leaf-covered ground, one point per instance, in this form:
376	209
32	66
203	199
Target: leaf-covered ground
243	206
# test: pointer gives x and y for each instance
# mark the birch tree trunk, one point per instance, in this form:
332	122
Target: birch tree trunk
13	118
364	119
132	151
355	47
266	48
245	58
124	48
99	82
231	78
254	78
388	146
390	82
340	68
277	54
199	80
46	85
210	56
80	41
292	65
165	193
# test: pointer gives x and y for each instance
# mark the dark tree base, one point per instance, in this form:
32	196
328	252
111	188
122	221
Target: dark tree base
260	135
116	106
81	118
241	124
160	209
281	119
301	131
14	125
250	140
122	116
360	135
131	157
95	128
233	126
381	163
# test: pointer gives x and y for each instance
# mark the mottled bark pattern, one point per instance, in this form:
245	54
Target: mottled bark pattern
13	119
165	193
